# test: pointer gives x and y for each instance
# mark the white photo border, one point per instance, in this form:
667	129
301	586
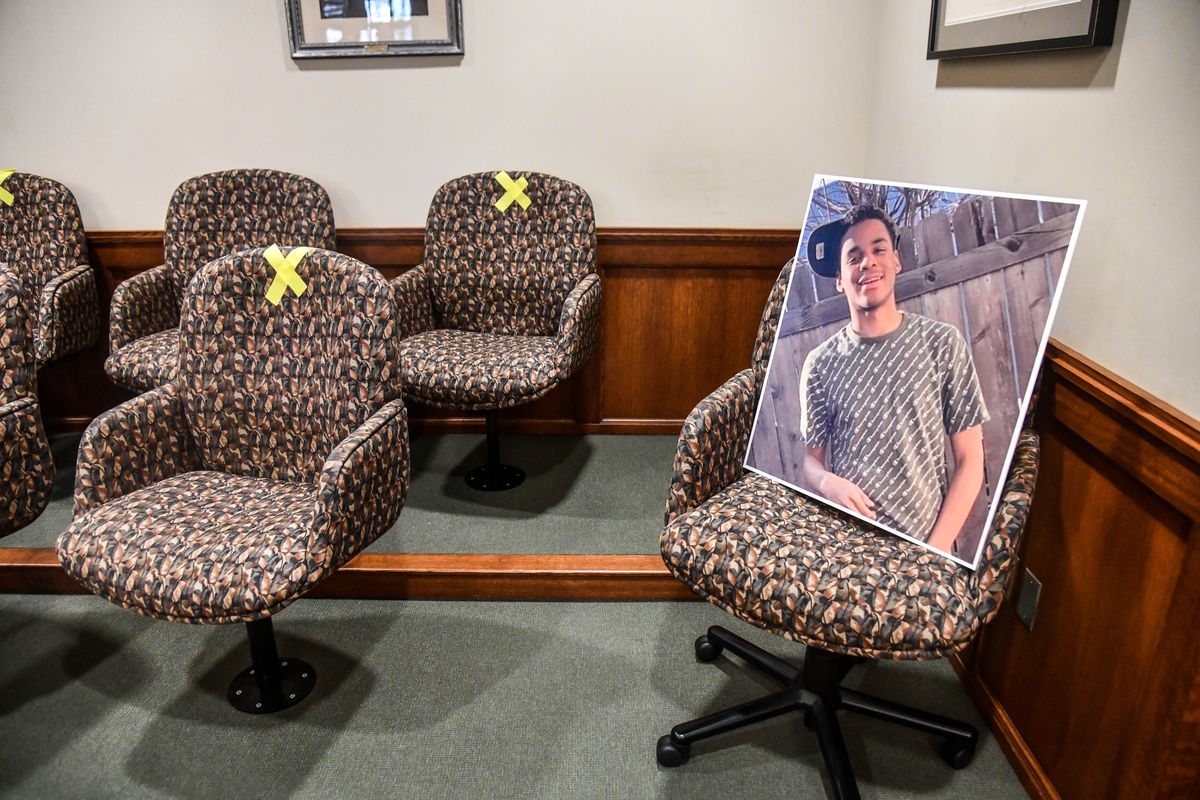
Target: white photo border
1024	404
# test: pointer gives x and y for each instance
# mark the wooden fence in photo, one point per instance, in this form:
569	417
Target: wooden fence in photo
989	268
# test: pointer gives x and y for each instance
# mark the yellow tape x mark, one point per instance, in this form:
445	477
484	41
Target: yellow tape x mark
5	195
514	191
285	272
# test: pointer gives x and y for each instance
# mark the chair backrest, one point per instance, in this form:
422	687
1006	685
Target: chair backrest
41	234
220	213
507	271
270	390
17	368
772	311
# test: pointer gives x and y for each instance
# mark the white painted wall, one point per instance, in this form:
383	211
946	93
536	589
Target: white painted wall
669	112
1120	129
691	113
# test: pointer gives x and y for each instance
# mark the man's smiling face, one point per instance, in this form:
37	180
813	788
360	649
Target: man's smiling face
869	264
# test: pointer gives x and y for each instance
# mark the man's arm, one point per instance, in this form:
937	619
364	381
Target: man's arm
833	487
964	487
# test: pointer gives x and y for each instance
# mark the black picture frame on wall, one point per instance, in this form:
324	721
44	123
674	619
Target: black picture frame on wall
961	28
374	28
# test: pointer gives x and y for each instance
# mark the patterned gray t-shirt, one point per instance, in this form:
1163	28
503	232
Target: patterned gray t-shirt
882	408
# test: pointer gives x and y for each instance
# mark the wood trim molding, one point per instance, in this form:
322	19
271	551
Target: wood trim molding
521	427
426	576
619	247
1161	420
1029	771
705	248
1164	457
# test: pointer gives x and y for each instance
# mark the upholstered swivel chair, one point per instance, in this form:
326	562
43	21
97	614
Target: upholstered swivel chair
506	304
42	240
26	469
797	568
279	452
209	216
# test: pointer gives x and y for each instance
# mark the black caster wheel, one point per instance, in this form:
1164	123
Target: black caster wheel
956	752
705	650
671	753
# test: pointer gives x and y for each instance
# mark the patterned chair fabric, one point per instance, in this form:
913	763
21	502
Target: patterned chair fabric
42	240
800	569
278	453
507	303
26	468
209	216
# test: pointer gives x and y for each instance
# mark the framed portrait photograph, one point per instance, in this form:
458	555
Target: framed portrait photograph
906	354
960	28
363	28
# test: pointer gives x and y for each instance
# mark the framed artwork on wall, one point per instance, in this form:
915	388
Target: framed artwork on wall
363	28
990	27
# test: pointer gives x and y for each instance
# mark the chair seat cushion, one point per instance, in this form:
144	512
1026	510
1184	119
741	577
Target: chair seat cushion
478	371
197	547
795	567
145	363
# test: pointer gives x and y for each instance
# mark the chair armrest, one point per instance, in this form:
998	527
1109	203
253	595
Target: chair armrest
413	303
579	325
140	442
999	558
26	467
67	317
146	303
17	371
712	444
363	485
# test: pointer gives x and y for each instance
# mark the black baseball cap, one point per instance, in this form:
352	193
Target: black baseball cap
825	248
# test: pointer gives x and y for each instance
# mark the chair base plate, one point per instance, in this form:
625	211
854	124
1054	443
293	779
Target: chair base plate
297	680
495	478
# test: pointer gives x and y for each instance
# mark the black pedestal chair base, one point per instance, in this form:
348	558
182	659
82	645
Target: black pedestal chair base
271	683
494	476
816	691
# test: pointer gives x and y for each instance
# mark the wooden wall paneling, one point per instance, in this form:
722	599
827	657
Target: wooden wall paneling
1173	762
681	311
672	335
679	315
1113	537
1071	674
390	250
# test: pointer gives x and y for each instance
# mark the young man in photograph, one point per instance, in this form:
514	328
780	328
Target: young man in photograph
880	395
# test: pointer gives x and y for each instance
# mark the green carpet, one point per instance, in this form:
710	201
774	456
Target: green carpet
582	494
433	700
